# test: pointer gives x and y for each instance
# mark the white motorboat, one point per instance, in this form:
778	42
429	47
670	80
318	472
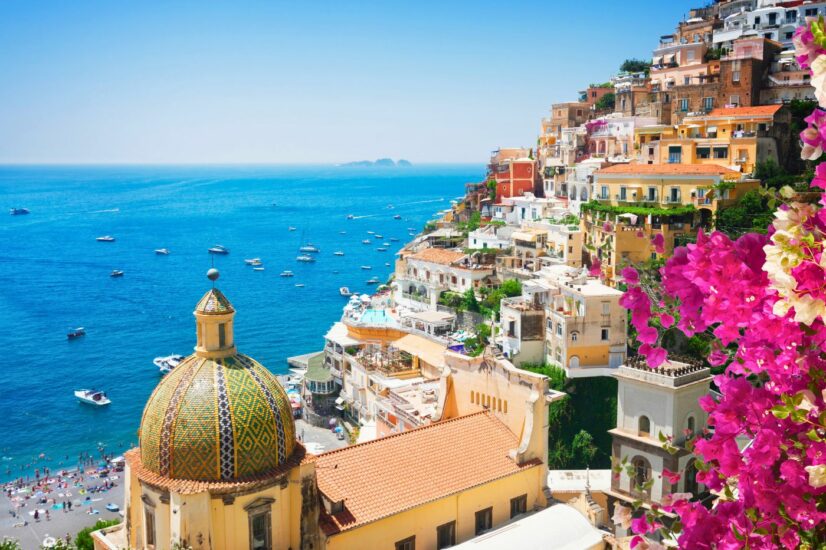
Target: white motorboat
344	291
386	264
397	217
116	273
219	249
162	251
394	240
258	268
92	397
305	258
338	253
366	241
299	285
106	239
385	244
342	232
381	249
166	364
253	261
366	267
373	281
18	211
309	248
76	333
350	216
371	232
291	228
378	236
287	274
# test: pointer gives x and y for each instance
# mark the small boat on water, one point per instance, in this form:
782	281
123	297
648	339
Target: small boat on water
381	249
258	268
76	333
162	251
338	253
309	248
92	397
344	291
219	249
18	211
291	228
287	274
390	207
342	232
305	258
105	239
385	244
397	217
373	281
366	241
378	236
366	267
350	216
299	285
386	264
116	273
253	261
394	240
411	229
335	272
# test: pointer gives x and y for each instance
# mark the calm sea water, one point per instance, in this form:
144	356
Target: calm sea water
54	276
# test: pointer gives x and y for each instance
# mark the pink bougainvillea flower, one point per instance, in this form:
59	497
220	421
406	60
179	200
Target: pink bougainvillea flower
631	275
596	268
659	243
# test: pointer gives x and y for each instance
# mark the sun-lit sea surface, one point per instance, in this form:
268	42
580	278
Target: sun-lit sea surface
54	276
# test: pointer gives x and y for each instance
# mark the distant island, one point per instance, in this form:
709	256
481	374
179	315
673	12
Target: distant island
378	162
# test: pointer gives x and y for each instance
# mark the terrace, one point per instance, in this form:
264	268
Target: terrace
387	361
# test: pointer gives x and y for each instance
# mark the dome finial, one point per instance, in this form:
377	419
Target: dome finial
213	274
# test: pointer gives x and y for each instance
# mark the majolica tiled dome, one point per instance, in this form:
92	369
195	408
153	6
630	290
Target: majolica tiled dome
211	420
218	415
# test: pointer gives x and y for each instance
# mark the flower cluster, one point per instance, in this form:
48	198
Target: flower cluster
761	300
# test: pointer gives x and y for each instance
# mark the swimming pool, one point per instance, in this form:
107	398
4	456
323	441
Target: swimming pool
377	317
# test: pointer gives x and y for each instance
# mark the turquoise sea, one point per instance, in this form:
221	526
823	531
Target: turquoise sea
54	276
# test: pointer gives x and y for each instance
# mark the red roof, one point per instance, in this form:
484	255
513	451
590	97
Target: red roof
399	472
668	170
760	110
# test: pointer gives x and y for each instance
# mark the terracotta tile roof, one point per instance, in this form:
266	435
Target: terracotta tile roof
668	170
402	471
438	256
761	110
189	487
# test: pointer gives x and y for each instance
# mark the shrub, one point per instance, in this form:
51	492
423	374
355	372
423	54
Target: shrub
83	540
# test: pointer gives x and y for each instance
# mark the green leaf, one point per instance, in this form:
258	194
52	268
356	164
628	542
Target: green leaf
812	434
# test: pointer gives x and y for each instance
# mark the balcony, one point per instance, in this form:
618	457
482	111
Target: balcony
626	198
387	361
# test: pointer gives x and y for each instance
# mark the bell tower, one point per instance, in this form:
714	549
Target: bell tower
214	316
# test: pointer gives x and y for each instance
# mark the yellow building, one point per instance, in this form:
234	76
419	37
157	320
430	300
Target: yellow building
218	466
735	137
630	203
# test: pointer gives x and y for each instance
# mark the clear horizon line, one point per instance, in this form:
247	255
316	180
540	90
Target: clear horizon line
192	163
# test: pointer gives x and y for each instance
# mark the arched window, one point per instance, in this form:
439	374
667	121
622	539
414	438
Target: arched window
691	485
644	428
689	428
574	336
642	473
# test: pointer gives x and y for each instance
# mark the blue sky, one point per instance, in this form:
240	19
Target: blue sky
301	82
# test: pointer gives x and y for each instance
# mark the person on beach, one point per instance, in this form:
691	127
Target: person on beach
36	515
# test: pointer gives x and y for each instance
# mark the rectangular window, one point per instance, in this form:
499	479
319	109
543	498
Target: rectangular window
446	535
604	335
484	520
604	192
735	77
675	155
674	196
721	152
683	105
791	16
260	536
149	520
703	152
652	194
606	308
407	544
708	103
734	100
623	194
519	505
810	12
559	329
222	335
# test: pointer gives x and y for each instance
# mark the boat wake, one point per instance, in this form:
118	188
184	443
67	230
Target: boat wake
105	211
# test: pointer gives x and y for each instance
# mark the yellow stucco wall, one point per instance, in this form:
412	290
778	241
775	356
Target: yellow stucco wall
422	521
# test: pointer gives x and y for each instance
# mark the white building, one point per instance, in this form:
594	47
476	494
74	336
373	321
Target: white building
651	402
764	18
422	277
493	237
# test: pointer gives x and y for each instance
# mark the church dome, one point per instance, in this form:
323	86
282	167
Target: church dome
218	415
